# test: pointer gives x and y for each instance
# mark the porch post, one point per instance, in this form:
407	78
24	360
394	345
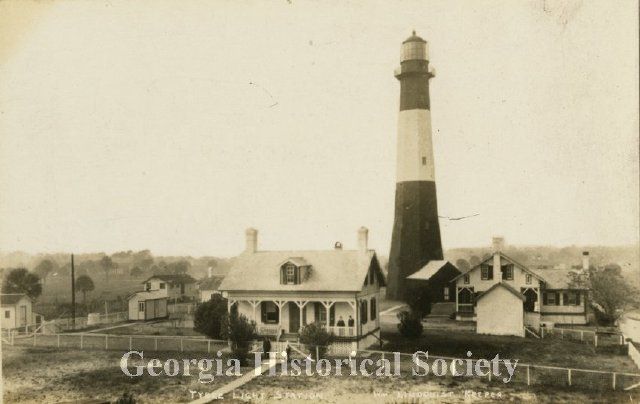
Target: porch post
327	306
301	305
280	304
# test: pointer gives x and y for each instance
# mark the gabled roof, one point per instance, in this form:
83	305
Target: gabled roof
510	260
558	278
212	283
10	299
426	272
297	261
333	270
503	285
149	295
181	278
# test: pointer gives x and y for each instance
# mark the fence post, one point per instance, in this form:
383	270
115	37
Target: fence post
208	345
621	341
596	340
106	341
317	353
614	380
528	377
156	342
34	339
58	340
561	333
181	348
581	335
569	376
541	332
489	375
382	357
81	340
130	342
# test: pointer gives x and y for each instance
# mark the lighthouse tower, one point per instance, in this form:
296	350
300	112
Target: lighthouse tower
416	231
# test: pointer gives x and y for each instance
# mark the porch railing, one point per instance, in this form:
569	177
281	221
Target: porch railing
341	331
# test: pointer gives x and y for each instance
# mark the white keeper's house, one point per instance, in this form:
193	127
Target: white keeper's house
284	290
504	296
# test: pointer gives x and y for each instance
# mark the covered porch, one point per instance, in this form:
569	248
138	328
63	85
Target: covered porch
277	316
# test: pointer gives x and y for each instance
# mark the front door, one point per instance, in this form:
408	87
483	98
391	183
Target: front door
294	317
531	299
23	316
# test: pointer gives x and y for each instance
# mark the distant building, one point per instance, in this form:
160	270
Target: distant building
546	295
17	311
175	287
283	291
209	286
434	279
148	305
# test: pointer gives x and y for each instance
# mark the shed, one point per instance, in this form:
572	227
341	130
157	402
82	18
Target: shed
17	310
148	305
500	311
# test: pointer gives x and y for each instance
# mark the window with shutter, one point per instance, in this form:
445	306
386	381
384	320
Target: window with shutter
270	313
363	312
373	309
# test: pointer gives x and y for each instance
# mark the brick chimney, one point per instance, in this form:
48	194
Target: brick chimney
497	247
585	261
363	239
251	240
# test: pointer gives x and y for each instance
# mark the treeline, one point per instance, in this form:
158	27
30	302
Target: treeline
122	264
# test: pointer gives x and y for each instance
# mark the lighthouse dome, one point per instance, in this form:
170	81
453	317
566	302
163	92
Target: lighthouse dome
414	38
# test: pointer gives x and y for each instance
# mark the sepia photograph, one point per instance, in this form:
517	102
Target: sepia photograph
208	201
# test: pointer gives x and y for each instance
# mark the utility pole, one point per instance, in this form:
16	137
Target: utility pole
73	294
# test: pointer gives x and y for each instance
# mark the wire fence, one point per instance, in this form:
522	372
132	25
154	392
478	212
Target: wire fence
122	342
596	338
525	373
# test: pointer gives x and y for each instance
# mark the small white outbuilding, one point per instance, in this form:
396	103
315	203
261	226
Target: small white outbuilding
500	311
149	305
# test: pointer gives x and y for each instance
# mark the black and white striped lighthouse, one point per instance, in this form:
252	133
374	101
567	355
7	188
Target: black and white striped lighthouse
416	231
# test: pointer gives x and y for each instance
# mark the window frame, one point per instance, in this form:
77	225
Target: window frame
269	316
7	314
528	279
141	306
466	279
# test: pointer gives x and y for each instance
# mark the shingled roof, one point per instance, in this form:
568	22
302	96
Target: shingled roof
11	298
332	270
173	278
212	283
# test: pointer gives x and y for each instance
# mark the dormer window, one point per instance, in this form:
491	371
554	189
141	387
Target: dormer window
294	271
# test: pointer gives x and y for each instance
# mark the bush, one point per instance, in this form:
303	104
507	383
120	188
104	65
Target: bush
315	335
419	300
209	317
240	332
410	324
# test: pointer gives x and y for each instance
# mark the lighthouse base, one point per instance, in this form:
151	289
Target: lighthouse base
416	234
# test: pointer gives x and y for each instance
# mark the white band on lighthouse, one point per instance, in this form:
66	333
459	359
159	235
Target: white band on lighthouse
415	151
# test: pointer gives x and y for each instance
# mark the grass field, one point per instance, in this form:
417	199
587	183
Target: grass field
156	328
45	375
548	351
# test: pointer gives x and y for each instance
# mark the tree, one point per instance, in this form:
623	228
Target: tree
19	280
136	272
210	316
419	300
474	260
44	268
106	264
179	268
613	268
240	332
84	284
410	325
463	265
316	338
610	295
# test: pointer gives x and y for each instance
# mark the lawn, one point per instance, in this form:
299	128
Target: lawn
412	389
548	351
50	375
155	328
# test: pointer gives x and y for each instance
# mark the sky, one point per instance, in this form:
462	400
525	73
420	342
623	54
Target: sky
174	125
